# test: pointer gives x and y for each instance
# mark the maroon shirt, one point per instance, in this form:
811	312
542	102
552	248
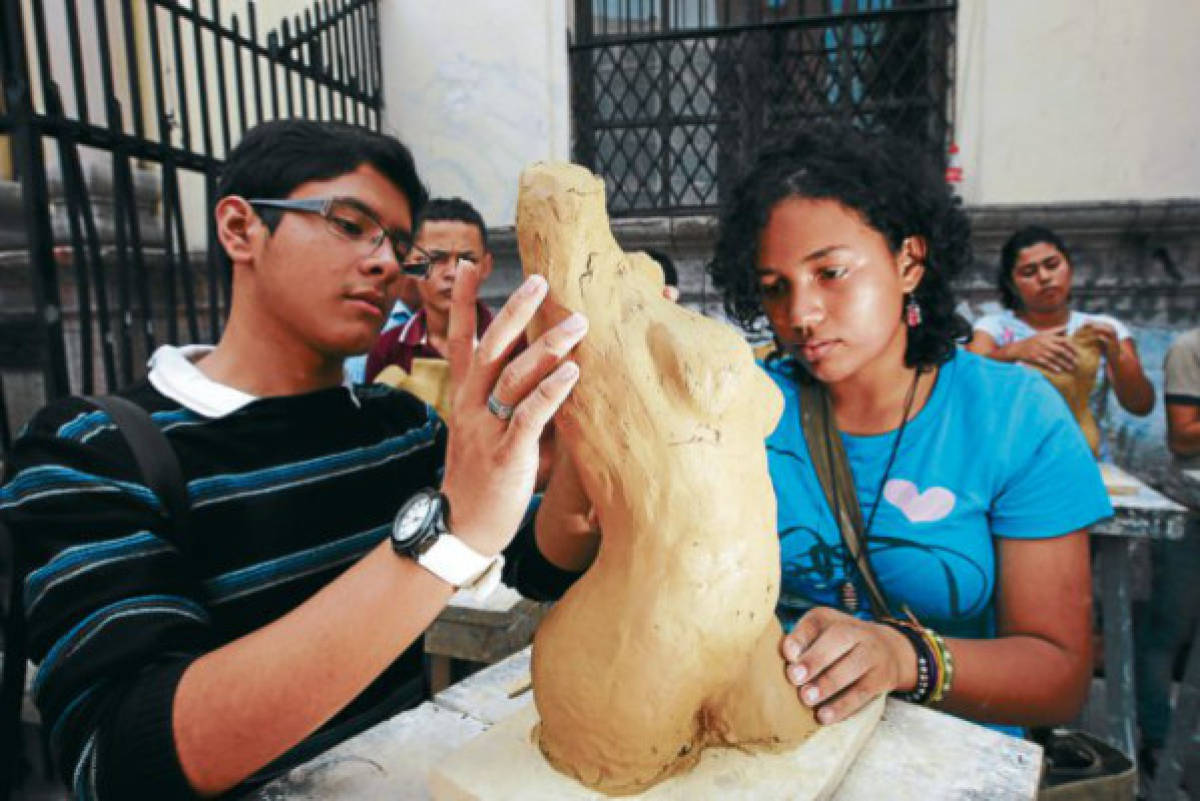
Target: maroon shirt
410	341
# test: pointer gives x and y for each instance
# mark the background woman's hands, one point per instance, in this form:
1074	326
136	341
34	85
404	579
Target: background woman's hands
1050	350
1109	342
838	663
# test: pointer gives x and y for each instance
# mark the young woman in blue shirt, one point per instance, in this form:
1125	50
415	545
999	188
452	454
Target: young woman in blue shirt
975	484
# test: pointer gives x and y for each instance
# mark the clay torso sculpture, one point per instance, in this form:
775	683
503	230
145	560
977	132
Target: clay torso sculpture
669	642
1076	386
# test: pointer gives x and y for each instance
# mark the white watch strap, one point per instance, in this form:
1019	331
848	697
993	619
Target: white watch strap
452	560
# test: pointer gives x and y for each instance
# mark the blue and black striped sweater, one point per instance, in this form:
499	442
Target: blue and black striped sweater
285	492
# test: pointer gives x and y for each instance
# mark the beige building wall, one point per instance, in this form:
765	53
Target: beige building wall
1078	100
478	89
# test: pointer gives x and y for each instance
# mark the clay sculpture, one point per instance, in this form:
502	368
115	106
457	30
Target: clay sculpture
1076	386
669	643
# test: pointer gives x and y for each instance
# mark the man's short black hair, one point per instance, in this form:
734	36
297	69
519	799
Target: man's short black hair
452	209
670	275
275	157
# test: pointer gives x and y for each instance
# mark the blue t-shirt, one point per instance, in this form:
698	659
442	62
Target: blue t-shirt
993	453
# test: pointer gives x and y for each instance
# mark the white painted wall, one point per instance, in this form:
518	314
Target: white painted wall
478	89
1078	100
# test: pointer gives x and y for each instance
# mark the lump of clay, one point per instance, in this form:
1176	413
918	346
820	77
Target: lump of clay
669	642
1076	386
428	379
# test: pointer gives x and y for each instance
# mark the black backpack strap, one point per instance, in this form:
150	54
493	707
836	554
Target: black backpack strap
156	459
833	470
160	470
12	683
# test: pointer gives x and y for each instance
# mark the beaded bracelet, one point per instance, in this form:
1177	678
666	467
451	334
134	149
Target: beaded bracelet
928	675
946	682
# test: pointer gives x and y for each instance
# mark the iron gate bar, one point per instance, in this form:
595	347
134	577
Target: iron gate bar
334	54
223	91
27	155
272	59
202	90
314	58
239	78
76	185
78	253
372	14
131	59
283	57
347	51
81	100
182	104
255	55
115	119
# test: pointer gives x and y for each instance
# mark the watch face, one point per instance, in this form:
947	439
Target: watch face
414	516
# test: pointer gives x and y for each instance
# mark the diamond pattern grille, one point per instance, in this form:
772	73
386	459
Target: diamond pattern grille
670	117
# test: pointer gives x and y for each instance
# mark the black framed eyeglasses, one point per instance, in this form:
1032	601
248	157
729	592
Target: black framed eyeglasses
352	221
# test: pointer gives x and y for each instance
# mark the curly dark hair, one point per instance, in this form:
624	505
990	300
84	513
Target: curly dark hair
896	189
1026	237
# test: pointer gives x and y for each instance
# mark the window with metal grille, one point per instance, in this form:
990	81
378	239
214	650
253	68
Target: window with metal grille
671	98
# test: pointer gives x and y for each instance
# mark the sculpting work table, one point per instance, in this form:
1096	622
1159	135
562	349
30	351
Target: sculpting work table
1183	737
1140	513
479	631
915	753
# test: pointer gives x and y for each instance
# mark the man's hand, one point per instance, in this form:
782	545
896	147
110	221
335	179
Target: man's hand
491	463
1050	350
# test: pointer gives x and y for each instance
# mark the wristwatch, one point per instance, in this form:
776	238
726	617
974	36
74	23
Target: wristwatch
420	532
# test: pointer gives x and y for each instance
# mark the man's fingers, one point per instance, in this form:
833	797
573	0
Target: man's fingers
460	338
501	337
524	372
535	411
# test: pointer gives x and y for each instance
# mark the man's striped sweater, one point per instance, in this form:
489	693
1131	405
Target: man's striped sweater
285	492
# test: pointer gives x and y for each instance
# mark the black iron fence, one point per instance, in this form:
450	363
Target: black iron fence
670	98
149	96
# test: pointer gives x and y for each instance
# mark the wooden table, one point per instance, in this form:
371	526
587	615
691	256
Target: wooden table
915	753
478	631
1140	513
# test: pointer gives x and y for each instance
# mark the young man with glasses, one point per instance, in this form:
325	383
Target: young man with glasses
328	524
449	233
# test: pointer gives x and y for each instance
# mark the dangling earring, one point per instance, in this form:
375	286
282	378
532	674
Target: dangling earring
912	312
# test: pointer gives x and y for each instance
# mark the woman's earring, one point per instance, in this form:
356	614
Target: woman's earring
912	312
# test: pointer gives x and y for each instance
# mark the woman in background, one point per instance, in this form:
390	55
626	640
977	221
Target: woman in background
1038	323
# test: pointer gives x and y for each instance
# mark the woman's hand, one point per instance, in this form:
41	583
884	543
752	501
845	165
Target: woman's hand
1050	350
1109	342
839	663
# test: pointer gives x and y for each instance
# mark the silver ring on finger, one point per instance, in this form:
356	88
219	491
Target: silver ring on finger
499	408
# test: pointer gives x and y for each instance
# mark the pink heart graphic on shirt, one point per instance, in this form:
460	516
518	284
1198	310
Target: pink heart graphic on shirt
933	504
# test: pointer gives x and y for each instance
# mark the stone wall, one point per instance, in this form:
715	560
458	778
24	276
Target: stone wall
1138	261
